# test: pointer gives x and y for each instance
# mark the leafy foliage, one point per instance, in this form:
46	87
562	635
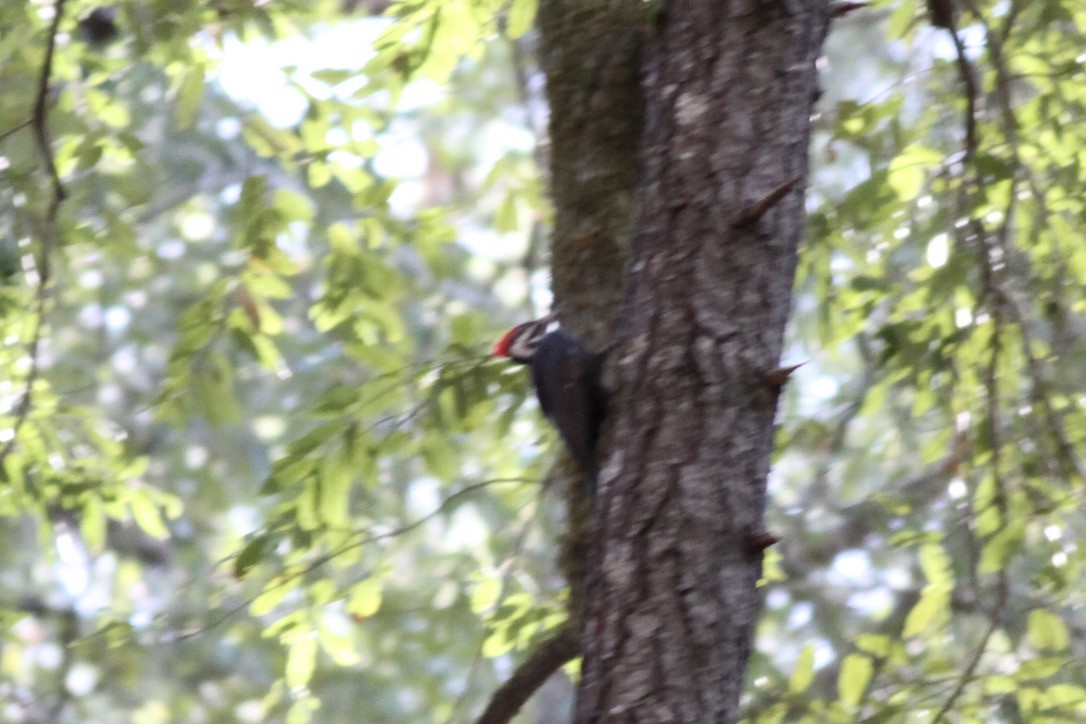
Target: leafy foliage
256	466
944	447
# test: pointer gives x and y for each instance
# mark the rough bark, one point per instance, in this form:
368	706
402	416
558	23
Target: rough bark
591	54
672	598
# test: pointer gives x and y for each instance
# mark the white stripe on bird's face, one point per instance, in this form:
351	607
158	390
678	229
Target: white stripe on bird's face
527	339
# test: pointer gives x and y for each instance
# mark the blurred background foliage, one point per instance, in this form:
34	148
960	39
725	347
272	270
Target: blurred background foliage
255	465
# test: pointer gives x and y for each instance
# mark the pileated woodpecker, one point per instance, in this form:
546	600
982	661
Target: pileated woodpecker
567	382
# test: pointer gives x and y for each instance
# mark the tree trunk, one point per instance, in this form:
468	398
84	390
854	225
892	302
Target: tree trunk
591	55
672	597
590	52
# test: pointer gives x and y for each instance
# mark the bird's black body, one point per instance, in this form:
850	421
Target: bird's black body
566	376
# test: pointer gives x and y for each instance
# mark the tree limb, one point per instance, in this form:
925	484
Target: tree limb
532	673
995	618
48	232
16	128
38	120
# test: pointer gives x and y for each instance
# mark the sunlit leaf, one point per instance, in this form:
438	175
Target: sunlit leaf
803	674
1046	630
853	678
189	95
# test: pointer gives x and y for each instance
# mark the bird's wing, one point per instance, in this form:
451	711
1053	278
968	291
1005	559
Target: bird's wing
569	393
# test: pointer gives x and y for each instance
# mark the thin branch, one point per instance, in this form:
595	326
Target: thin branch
759	208
1001	304
325	558
842	9
1041	393
1003	299
39	118
532	673
971	668
1035	365
48	232
16	128
507	571
969	81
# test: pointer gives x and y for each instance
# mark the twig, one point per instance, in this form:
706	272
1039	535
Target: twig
518	546
1041	395
844	8
1035	365
1003	300
321	560
532	673
40	111
778	377
758	209
48	231
974	662
16	128
969	80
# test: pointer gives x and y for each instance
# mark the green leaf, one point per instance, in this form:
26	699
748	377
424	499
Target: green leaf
335	488
251	201
505	218
253	552
339	647
301	711
272	595
308	504
293	206
874	644
365	597
903	18
1065	695
485	594
147	516
519	19
499	642
13	472
92	522
907	171
929	612
301	660
189	96
1041	668
1003	546
1046	630
333	76
803	674
997	685
936	564
313	439
853	678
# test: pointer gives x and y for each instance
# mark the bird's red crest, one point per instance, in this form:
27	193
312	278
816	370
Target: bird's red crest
501	348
